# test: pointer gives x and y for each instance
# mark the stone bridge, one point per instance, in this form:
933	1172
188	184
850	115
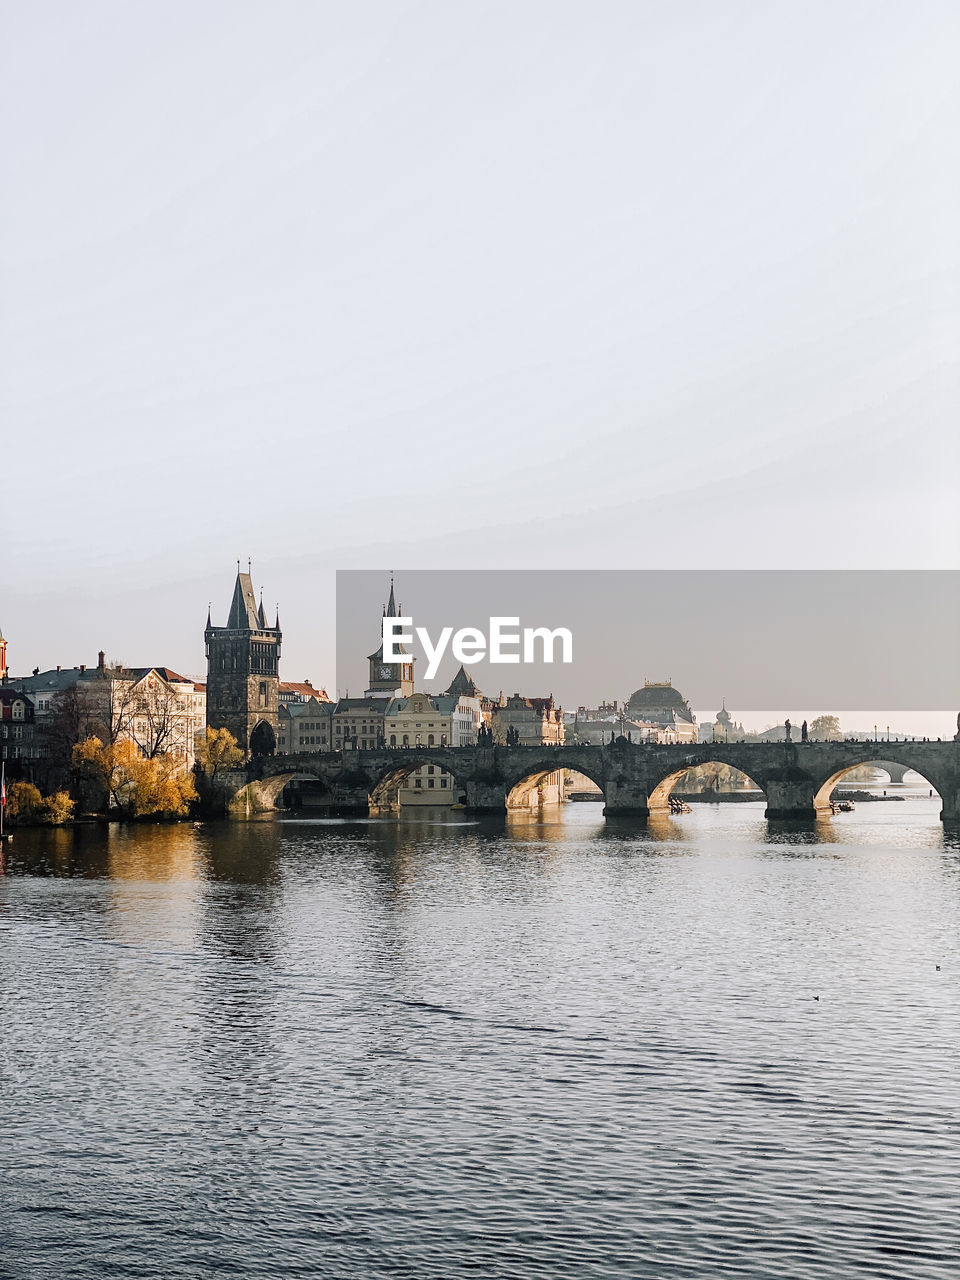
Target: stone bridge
636	779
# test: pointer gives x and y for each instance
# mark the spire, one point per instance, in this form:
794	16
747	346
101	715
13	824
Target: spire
209	620
391	611
261	616
276	625
243	607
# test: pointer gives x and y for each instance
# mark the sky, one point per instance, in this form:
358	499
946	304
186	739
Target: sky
420	285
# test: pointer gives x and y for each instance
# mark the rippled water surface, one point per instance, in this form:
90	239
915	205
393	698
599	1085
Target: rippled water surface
441	1048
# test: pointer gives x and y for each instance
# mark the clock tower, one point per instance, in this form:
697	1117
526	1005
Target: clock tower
390	679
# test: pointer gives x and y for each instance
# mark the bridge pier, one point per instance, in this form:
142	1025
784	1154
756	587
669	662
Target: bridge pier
793	799
950	813
486	797
626	799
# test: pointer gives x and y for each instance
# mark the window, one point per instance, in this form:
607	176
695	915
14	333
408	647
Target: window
443	782
429	768
418	782
431	782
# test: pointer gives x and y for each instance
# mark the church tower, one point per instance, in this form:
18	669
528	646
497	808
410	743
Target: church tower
242	672
390	679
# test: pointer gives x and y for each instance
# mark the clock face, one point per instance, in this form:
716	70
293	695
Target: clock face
384	673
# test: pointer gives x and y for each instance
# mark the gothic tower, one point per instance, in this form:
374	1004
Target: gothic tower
242	673
390	679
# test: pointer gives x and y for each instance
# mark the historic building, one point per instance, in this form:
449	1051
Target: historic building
242	672
725	728
20	743
299	691
306	725
389	679
527	722
663	713
159	710
358	722
432	720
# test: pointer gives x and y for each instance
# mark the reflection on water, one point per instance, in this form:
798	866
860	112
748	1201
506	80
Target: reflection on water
445	1046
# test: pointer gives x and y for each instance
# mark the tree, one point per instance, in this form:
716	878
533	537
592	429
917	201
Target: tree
23	801
826	729
74	718
57	809
117	776
217	751
25	805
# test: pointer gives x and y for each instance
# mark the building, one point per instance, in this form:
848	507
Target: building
159	710
21	743
358	722
243	660
306	726
389	679
527	722
725	728
662	712
291	691
426	720
438	720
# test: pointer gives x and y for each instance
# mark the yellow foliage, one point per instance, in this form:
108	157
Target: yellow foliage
138	787
57	809
218	750
23	801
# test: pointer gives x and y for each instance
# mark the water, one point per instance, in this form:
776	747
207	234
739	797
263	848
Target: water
444	1048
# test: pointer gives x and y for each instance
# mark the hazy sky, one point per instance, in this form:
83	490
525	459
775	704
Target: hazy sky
427	285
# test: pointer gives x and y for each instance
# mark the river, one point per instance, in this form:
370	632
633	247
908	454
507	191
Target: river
443	1047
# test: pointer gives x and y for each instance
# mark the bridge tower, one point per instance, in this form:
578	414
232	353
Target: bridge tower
243	682
390	679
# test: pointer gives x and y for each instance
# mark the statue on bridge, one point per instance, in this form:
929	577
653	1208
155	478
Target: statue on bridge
786	726
803	732
956	736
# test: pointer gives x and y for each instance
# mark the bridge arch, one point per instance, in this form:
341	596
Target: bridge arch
658	799
826	784
385	783
519	784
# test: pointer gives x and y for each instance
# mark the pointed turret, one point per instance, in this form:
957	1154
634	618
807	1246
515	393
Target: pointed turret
261	616
391	609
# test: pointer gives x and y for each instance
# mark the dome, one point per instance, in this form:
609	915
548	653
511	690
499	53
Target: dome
657	695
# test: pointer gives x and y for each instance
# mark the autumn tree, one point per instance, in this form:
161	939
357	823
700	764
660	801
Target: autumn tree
23	801
135	785
26	806
218	751
825	729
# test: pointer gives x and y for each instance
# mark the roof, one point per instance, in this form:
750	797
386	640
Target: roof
51	681
463	685
359	704
9	694
304	689
164	673
659	696
313	706
243	608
